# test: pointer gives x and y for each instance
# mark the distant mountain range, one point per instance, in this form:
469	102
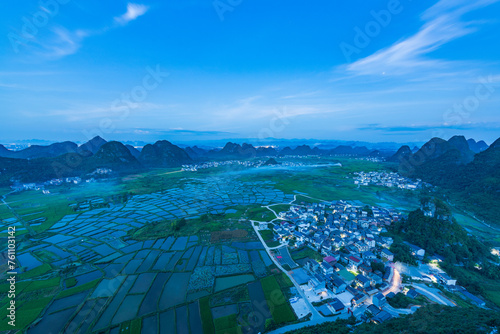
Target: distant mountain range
54	150
39	163
469	170
436	154
75	162
165	154
477	147
243	151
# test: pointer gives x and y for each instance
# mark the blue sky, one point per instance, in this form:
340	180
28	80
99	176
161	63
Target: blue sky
401	71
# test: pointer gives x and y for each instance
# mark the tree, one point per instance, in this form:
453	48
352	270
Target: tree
369	210
180	224
205	218
378	266
402	253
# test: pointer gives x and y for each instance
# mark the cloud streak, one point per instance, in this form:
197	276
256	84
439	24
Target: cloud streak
180	131
63	42
422	128
443	24
133	12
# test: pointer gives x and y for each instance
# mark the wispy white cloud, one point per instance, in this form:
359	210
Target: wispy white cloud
5	85
457	7
79	113
133	12
28	73
62	42
302	95
442	24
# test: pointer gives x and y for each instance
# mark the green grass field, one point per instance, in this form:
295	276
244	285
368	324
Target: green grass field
83	287
278	305
70	282
346	275
206	316
37	272
320	183
280	208
31	298
225	323
268	235
306	252
26	314
283	280
5	212
260	214
206	222
336	183
31	205
477	228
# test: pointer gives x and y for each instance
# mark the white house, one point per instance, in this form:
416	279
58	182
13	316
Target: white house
387	254
445	279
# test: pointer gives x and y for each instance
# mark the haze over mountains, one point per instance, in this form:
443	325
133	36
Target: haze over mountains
165	154
432	162
454	165
437	152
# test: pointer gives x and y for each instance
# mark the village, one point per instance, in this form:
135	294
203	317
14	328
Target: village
40	186
387	179
349	269
243	163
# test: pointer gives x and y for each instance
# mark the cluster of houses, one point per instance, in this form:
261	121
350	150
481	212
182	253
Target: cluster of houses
102	171
329	227
386	179
41	186
348	238
215	164
59	181
372	159
253	163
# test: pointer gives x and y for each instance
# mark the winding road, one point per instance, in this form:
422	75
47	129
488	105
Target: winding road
315	314
433	294
316	317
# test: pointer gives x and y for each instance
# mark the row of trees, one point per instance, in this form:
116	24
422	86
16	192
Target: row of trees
444	237
402	253
465	257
